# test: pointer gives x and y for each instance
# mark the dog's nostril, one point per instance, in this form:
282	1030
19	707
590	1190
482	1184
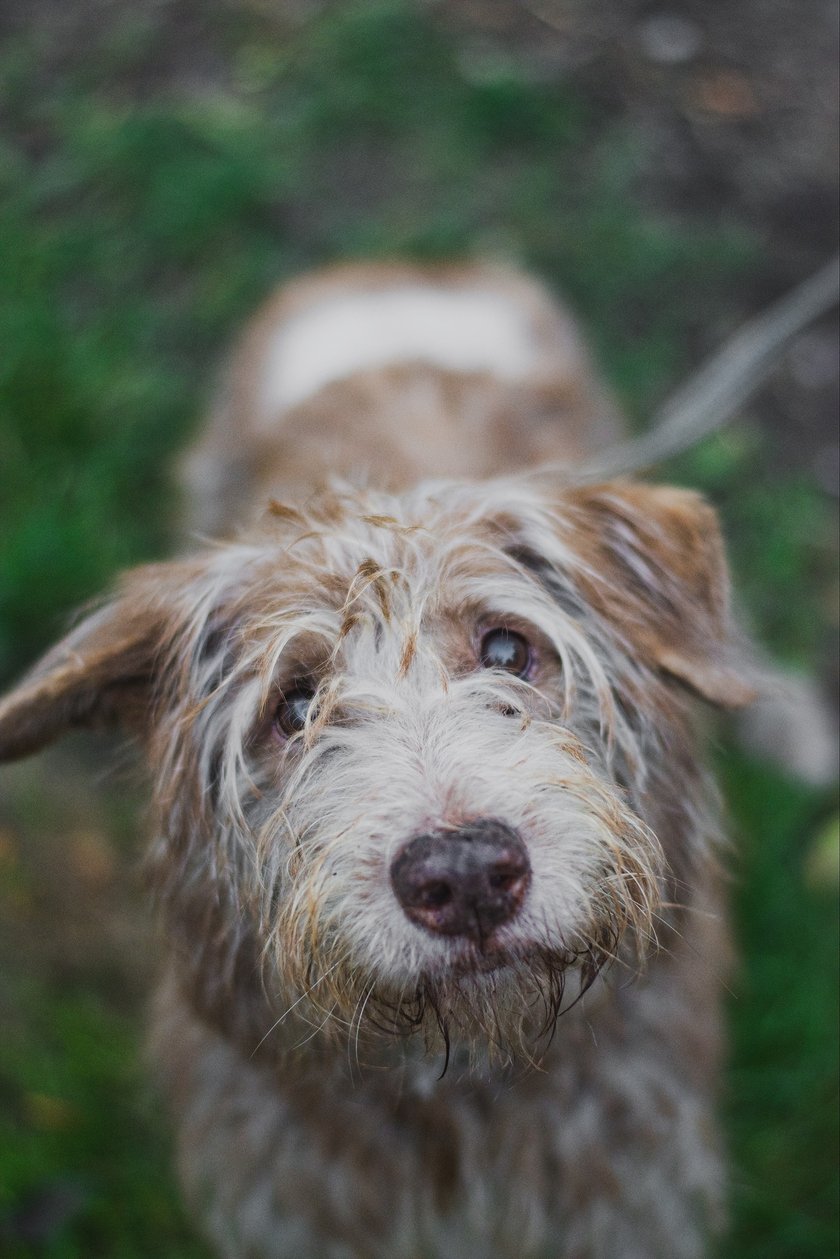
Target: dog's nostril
463	882
505	876
434	895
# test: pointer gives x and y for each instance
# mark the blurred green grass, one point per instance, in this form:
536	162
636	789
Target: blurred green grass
137	228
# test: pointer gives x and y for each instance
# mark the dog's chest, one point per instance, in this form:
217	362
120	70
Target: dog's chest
342	1158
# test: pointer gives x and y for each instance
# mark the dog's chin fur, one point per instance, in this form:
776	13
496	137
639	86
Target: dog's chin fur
481	1013
292	964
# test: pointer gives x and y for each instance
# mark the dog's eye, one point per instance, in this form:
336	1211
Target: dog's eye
505	649
290	716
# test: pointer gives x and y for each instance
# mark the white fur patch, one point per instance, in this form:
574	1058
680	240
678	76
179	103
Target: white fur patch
462	330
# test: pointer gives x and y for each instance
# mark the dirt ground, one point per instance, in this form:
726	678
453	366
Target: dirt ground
738	107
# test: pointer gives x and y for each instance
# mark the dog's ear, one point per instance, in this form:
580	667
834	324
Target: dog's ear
104	671
655	565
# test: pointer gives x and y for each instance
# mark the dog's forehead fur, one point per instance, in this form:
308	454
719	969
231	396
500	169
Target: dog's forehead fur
401	561
586	569
401	587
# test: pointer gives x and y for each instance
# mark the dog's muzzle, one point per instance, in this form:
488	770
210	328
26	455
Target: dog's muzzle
464	882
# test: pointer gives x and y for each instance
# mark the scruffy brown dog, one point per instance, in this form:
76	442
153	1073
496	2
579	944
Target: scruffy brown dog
436	850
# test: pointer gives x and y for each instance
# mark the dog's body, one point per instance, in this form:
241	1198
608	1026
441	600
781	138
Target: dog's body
426	780
392	375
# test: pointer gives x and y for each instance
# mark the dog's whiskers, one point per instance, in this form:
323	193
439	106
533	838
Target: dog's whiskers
278	1022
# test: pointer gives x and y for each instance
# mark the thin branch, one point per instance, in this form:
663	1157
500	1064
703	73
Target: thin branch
712	396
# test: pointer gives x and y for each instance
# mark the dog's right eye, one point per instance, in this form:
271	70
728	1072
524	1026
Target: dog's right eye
290	716
505	649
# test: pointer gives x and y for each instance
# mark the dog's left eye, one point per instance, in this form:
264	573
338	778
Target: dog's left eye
290	716
505	649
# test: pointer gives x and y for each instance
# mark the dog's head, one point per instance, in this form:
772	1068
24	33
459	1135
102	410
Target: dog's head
417	760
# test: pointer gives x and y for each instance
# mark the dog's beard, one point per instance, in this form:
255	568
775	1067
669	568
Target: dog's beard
500	1008
496	1000
505	1014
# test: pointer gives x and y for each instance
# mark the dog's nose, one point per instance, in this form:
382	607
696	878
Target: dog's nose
463	882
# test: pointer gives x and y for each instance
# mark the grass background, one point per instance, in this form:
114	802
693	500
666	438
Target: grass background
138	227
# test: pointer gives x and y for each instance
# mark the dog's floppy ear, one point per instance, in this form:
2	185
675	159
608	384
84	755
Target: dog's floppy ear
103	671
660	572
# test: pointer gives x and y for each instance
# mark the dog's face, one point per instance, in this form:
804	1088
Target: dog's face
416	759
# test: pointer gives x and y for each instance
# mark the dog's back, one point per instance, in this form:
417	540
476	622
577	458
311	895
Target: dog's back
392	373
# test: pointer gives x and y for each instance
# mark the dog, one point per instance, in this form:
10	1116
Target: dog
437	856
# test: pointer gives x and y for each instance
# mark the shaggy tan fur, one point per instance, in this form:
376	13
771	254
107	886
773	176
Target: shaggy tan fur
351	1075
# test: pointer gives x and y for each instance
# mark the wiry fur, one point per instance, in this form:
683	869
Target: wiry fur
345	1082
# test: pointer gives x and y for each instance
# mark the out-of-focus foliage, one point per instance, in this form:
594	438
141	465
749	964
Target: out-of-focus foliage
782	1087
